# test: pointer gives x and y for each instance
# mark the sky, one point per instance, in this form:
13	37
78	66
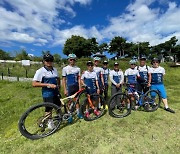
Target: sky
46	24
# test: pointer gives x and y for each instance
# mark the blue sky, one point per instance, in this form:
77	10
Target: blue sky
46	24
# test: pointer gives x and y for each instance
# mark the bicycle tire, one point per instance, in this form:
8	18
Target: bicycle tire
26	116
151	105
101	108
116	108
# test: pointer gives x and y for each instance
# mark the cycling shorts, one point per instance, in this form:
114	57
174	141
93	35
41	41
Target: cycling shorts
160	88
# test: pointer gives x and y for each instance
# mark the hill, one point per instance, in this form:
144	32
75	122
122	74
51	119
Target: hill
140	132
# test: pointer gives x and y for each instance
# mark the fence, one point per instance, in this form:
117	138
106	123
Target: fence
14	78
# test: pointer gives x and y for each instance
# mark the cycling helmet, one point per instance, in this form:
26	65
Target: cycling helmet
72	56
155	59
132	61
48	57
97	59
89	63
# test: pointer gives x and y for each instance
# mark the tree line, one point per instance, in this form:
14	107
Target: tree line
118	46
121	47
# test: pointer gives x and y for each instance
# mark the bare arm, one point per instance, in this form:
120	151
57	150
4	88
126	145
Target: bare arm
64	85
79	81
97	85
39	84
102	79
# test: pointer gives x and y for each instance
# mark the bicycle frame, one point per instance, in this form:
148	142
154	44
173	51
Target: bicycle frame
76	95
141	94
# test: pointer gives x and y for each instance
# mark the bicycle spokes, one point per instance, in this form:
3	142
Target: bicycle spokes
119	105
39	123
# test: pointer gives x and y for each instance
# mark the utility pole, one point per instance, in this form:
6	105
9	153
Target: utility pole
138	50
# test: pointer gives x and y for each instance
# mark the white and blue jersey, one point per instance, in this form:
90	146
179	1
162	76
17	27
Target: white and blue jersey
132	75
143	72
90	79
157	75
116	77
98	71
105	73
44	75
72	73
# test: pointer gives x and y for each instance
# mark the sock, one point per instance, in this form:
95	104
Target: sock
166	107
128	105
77	110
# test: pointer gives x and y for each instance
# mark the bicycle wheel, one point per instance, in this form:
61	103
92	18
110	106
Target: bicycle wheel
151	100
81	97
119	105
94	110
35	124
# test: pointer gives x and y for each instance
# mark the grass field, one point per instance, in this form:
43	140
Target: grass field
140	132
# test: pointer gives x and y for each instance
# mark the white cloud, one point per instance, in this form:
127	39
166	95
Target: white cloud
142	23
62	35
34	21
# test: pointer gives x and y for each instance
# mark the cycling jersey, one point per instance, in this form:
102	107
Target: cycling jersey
44	75
105	73
98	71
90	79
72	74
132	75
116	77
157	75
143	72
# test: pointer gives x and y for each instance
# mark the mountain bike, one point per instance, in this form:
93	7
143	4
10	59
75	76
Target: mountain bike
35	123
121	104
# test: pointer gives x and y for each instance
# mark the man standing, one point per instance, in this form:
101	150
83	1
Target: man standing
47	77
105	73
157	73
117	79
99	71
145	76
71	80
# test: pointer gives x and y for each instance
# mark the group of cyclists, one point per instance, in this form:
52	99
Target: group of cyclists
142	77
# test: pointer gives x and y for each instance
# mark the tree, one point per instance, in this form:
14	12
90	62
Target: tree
143	48
117	46
57	58
80	46
22	55
4	55
92	45
103	47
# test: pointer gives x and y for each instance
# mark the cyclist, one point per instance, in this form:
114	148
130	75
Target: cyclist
47	77
116	77
89	78
105	73
99	71
144	81
71	80
158	73
131	76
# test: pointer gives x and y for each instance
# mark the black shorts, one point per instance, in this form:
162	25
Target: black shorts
54	100
72	89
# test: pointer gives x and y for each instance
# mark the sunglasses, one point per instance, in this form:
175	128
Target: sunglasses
155	62
72	59
133	64
49	60
90	65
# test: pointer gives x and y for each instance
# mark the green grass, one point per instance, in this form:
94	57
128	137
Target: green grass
140	132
